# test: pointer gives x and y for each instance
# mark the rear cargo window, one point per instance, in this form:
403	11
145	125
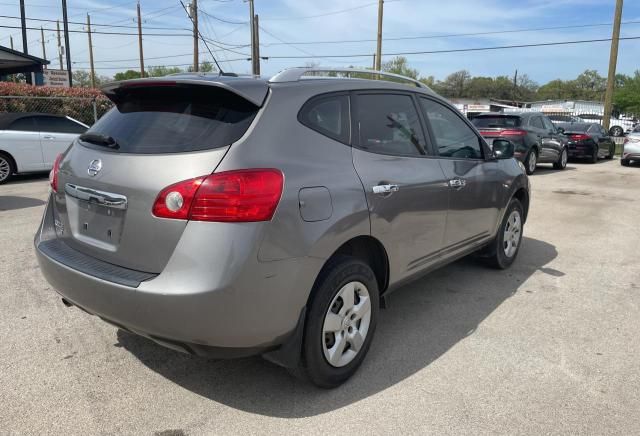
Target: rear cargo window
490	122
174	119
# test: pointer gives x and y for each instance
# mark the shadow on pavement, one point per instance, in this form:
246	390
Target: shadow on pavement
25	178
425	319
10	202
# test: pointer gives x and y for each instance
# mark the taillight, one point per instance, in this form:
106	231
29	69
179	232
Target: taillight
231	196
513	132
53	175
579	137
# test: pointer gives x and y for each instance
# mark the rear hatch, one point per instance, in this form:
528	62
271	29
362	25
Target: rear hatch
160	132
500	126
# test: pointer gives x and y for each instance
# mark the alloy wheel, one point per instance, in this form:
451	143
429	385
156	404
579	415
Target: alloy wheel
5	169
346	324
533	161
564	158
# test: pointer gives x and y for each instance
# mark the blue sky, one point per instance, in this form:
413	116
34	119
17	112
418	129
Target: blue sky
312	21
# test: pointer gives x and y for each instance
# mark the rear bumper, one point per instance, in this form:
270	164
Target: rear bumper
232	307
580	152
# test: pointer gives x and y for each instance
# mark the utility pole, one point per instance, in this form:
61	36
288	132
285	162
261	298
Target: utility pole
613	60
25	46
11	41
379	46
515	87
256	53
93	72
140	42
59	44
67	50
254	67
194	19
44	49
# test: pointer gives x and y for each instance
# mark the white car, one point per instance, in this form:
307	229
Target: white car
617	126
30	142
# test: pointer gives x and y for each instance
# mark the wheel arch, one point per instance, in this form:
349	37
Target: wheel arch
522	196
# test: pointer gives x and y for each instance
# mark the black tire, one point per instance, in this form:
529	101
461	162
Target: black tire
612	152
496	255
7	168
314	366
625	162
594	159
562	160
528	165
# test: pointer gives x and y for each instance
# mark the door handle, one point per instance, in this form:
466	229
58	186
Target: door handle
48	137
457	183
385	189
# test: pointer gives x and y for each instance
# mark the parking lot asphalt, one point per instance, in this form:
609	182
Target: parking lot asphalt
551	346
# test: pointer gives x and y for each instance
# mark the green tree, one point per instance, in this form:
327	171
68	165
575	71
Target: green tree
161	70
455	84
627	97
590	86
400	65
204	67
558	90
82	78
126	75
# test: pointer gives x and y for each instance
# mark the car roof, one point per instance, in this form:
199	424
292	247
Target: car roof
6	118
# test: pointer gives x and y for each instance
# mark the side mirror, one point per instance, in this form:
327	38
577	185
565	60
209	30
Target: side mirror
560	130
503	149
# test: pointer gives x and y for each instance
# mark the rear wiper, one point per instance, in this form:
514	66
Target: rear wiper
98	139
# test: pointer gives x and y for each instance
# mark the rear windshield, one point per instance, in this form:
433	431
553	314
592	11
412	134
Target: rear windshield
496	121
174	119
572	128
563	118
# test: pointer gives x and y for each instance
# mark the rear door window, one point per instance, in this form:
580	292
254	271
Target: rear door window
328	115
453	137
174	119
25	124
389	124
537	123
59	125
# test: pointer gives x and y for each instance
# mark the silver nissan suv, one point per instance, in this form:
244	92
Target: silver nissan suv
232	216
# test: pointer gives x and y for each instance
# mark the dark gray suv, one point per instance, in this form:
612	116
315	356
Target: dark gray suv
227	216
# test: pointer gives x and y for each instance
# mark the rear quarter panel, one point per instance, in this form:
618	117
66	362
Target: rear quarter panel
308	159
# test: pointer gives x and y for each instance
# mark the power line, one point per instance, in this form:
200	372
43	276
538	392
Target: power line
222	20
96	25
341	11
500	47
452	35
100	32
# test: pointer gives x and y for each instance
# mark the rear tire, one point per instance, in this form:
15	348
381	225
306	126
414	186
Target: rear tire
612	152
594	158
341	322
625	162
7	168
502	252
562	161
531	162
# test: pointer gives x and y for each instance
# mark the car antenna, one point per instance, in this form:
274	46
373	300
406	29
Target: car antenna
222	73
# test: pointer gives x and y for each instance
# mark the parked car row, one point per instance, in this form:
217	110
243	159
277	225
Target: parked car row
538	140
30	142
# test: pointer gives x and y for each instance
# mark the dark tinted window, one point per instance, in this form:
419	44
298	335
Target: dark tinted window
548	124
26	124
328	115
576	127
561	118
389	124
636	129
174	119
496	121
454	138
59	125
536	122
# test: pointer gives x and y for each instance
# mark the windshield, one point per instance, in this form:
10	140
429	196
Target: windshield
172	120
496	121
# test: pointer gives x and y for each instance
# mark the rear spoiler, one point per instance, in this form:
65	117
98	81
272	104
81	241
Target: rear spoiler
252	90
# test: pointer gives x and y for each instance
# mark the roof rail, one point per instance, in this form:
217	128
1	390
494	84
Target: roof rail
295	74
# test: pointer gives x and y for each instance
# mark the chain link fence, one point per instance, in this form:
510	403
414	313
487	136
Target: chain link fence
86	110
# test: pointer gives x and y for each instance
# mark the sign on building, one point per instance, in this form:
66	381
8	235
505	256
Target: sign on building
56	78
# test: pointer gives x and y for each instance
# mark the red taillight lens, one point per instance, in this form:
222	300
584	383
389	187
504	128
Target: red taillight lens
53	175
579	137
513	132
231	196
